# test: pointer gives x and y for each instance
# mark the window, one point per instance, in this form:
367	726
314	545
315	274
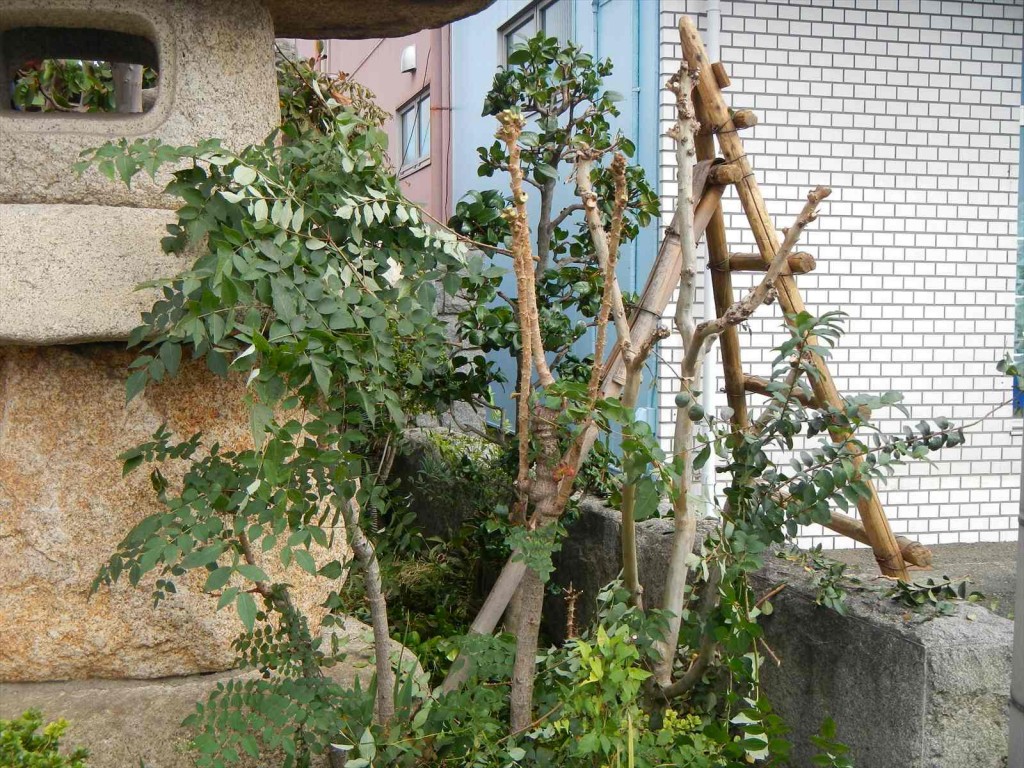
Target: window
61	70
553	17
415	121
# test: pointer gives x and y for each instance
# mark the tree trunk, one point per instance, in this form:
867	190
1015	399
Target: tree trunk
128	88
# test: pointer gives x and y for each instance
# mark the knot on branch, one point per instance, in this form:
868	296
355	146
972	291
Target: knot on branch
618	164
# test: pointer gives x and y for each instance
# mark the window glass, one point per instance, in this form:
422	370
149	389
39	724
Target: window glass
521	33
408	117
556	20
415	126
424	126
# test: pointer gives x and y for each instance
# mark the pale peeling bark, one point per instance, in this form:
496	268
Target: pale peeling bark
685	518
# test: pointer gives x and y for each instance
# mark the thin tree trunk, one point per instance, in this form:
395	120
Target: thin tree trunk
367	559
127	88
547	509
685	518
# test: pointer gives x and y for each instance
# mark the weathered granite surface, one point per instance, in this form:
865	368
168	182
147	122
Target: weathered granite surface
123	722
53	290
216	67
64	506
366	18
903	688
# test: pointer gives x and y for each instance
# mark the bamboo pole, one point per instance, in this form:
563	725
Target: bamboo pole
880	535
912	551
798	264
661	282
721	283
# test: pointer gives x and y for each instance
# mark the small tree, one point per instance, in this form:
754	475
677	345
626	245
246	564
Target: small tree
316	282
558	91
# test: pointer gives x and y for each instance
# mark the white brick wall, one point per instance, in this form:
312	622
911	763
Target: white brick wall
908	110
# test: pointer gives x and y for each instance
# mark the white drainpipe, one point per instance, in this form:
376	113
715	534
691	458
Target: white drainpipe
714	13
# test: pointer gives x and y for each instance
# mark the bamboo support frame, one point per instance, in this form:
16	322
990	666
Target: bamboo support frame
716	113
741	118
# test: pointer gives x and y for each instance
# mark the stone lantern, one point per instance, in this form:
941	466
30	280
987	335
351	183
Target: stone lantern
72	251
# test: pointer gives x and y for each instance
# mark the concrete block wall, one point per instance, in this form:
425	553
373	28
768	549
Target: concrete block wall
908	109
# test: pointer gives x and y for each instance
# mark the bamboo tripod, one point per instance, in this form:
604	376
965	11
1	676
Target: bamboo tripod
712	176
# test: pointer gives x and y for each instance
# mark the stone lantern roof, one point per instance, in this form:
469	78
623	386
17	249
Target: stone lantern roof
350	19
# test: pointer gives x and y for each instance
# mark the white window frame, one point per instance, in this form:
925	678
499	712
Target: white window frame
422	156
534	11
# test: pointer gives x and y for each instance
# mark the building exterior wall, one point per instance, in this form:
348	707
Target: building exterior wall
908	110
376	64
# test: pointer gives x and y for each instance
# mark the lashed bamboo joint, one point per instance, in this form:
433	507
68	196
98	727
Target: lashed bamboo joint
741	120
723	173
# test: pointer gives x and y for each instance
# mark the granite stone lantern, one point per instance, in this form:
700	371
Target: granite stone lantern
72	251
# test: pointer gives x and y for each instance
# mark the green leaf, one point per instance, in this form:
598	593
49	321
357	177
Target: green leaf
252	572
305	561
246	610
260	417
170	354
244	175
201	557
135	384
332	570
217	579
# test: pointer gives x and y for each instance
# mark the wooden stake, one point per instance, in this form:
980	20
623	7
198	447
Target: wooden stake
879	533
741	119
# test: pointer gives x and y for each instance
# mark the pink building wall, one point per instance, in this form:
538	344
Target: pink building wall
376	64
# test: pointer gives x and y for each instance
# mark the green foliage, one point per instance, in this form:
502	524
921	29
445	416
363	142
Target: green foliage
434	586
309	97
24	745
938	595
68	85
593	690
315	282
832	754
829	576
561	91
790	473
